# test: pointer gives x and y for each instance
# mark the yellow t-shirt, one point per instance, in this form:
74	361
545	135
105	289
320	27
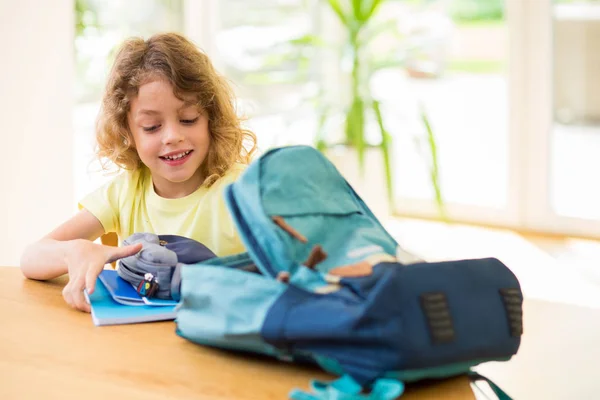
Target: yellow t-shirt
129	204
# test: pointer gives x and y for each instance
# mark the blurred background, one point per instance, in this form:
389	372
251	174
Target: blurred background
450	117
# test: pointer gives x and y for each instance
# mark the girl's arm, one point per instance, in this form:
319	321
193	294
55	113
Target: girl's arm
70	249
46	258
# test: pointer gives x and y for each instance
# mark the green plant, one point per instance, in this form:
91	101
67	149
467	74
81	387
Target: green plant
357	17
477	10
292	62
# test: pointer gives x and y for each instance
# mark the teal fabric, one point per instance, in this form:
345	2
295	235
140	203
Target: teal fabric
232	321
346	388
264	190
443	371
233	261
307	278
329	364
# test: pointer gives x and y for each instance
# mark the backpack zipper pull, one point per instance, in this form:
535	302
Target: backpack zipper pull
148	286
280	222
316	256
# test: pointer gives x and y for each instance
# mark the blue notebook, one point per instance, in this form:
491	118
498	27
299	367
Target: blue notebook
106	311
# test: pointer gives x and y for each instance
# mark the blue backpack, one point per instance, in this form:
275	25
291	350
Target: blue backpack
321	282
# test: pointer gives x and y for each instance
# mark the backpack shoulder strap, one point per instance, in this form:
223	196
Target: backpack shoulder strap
348	389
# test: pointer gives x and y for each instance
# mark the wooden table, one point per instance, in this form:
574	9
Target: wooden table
49	351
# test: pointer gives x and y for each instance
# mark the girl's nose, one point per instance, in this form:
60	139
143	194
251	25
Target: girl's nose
171	135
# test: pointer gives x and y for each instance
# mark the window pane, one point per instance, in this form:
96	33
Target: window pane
575	137
455	69
260	48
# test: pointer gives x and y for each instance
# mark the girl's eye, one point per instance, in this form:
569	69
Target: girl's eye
189	121
151	128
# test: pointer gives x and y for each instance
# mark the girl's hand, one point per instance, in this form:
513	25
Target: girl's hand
85	260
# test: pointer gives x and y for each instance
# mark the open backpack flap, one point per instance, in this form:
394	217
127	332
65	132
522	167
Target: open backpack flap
321	283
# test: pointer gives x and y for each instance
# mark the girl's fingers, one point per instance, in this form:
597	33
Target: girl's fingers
66	292
80	302
90	280
116	253
77	294
73	295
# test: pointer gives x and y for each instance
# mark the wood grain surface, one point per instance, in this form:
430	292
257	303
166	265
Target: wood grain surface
49	351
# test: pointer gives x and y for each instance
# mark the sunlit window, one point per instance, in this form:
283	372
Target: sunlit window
264	48
101	25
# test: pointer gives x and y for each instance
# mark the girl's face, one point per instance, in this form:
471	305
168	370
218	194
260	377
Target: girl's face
171	138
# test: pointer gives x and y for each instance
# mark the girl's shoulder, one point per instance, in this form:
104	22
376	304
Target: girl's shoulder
236	170
232	174
131	179
126	185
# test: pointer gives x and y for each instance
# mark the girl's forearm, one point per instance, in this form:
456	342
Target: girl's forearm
46	259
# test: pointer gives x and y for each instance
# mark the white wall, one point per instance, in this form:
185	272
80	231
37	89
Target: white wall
36	72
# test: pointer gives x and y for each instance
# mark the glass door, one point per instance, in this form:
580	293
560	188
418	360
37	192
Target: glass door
510	88
566	124
466	75
257	45
516	114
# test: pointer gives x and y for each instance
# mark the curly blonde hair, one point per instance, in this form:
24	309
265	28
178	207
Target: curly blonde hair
174	58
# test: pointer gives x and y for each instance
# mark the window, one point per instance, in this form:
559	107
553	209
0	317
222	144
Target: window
101	26
258	46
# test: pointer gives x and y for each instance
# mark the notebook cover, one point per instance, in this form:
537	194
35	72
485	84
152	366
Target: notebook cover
106	311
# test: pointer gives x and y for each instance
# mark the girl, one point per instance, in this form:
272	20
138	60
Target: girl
168	120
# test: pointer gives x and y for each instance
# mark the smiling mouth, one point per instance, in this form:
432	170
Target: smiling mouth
176	157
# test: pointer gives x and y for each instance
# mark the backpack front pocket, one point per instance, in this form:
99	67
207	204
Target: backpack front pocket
226	307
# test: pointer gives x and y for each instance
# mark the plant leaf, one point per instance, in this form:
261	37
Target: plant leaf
337	8
320	142
357	10
374	5
355	128
434	171
386	147
308	40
